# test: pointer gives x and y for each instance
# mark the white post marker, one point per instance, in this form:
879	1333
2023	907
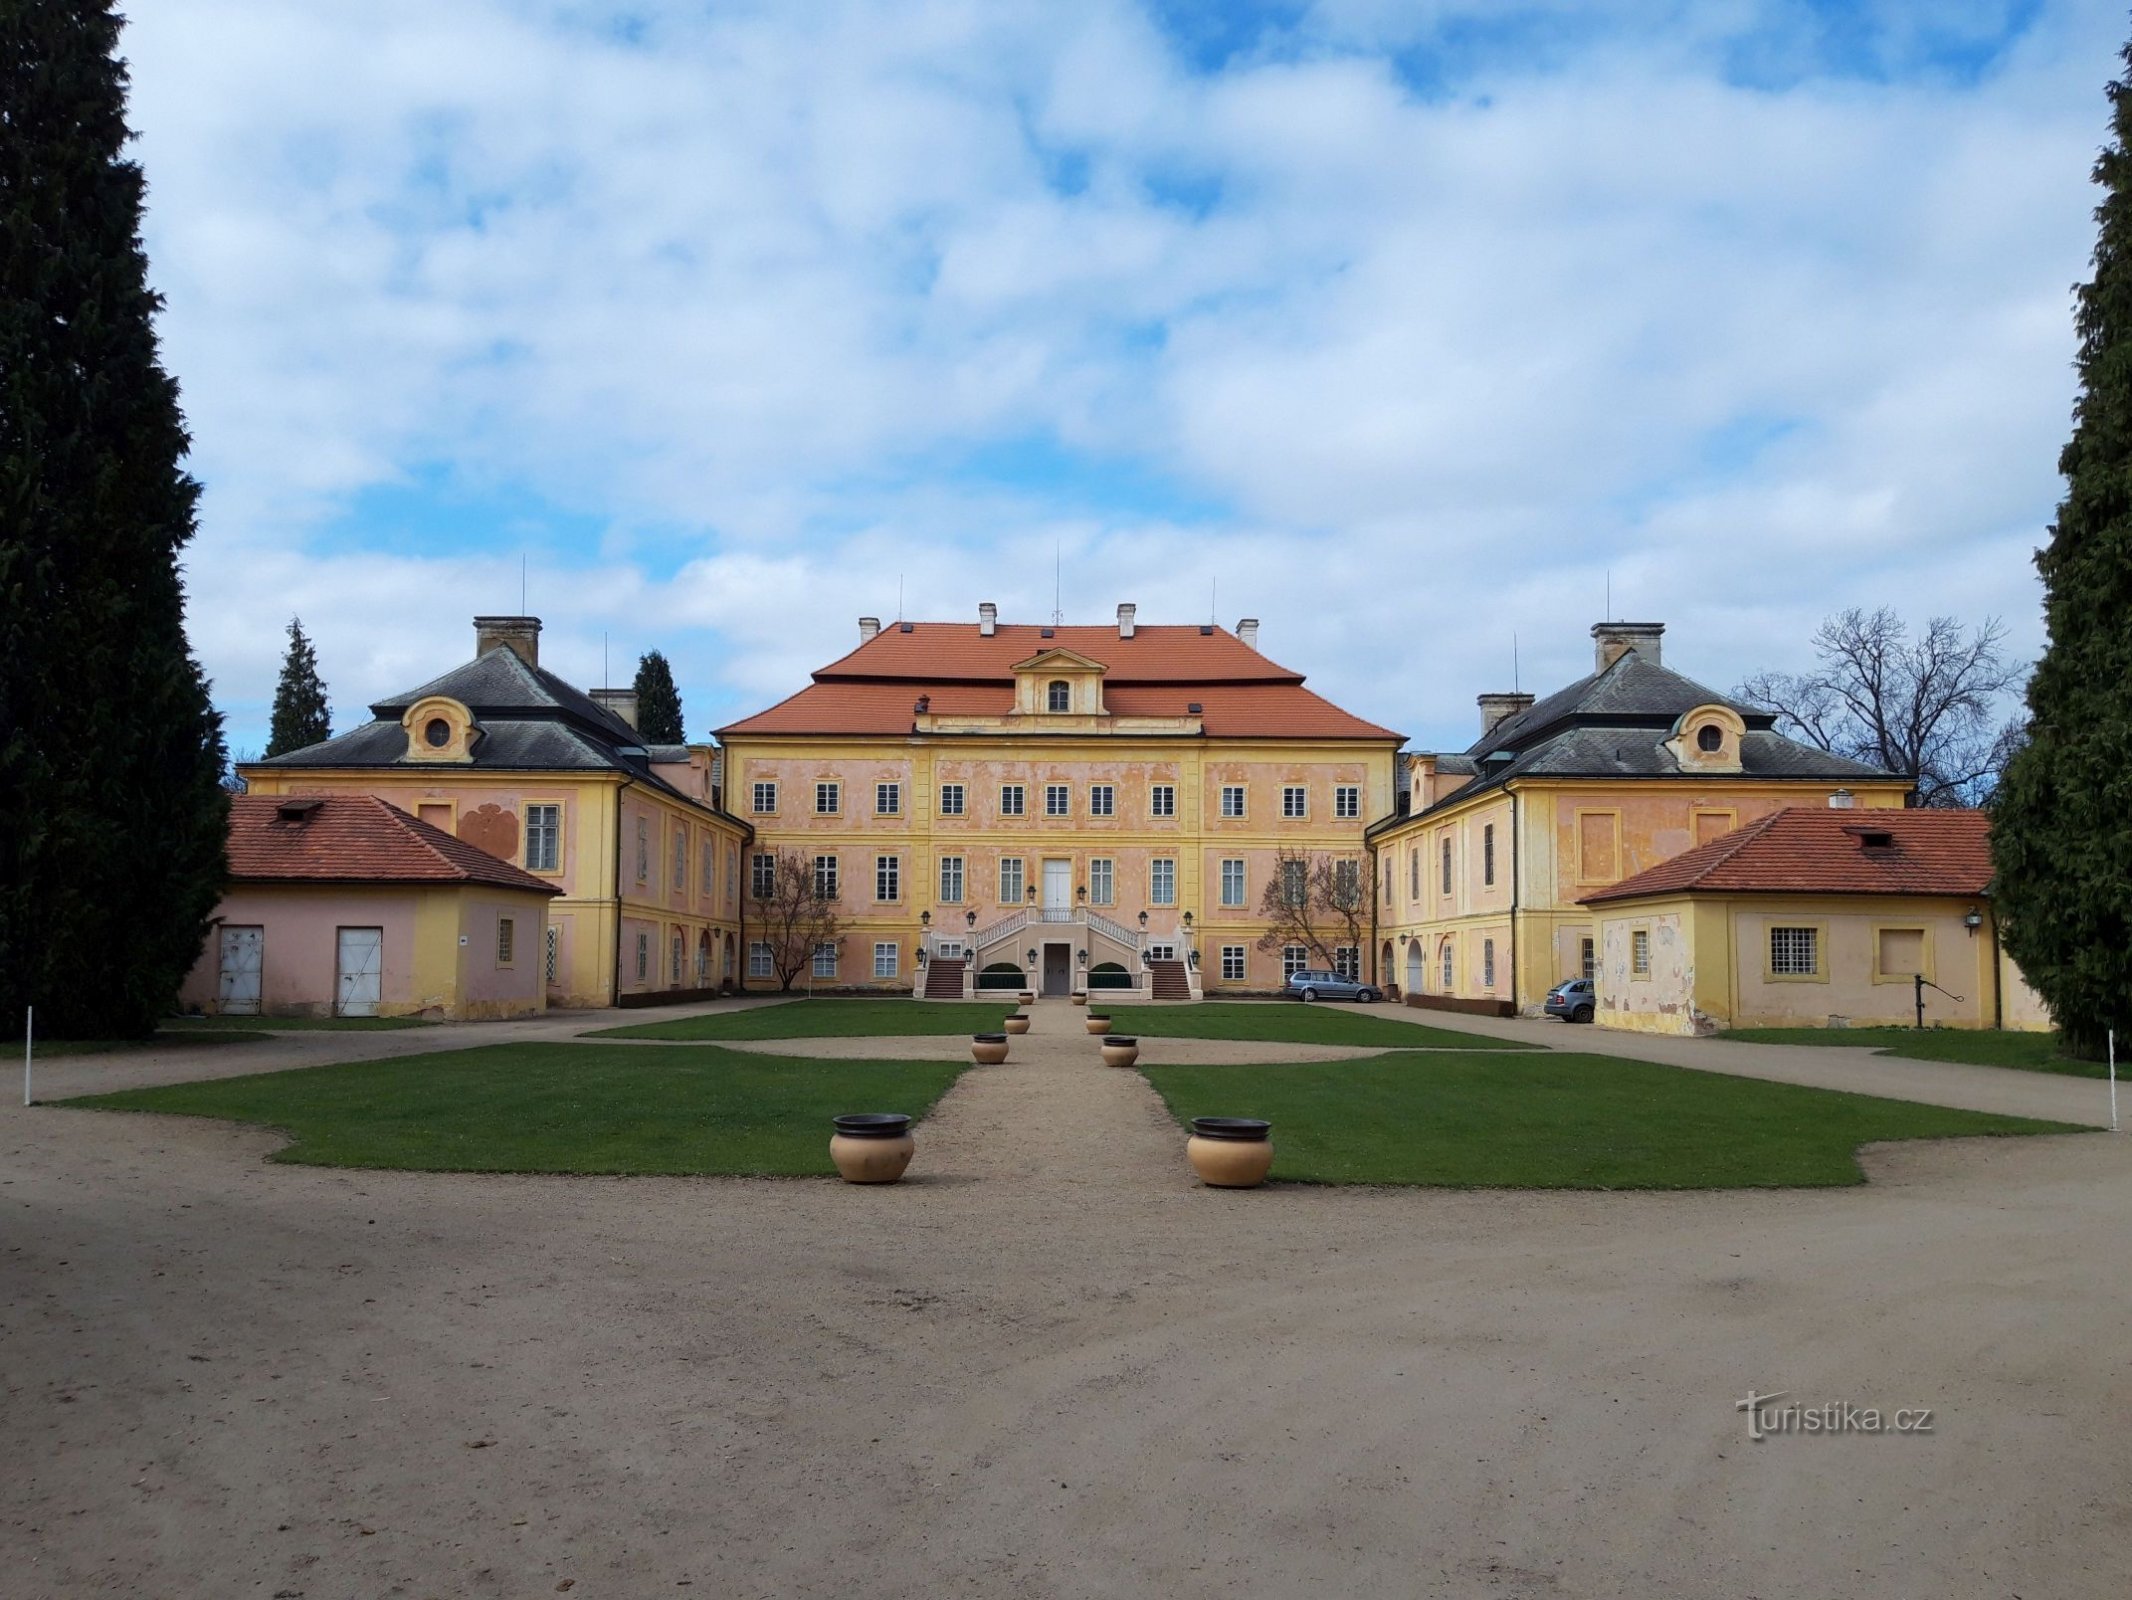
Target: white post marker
29	1032
2113	1080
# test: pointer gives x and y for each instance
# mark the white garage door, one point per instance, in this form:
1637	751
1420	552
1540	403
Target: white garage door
362	962
243	955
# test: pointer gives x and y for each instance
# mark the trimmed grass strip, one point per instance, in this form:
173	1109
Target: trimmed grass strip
1557	1121
559	1108
163	1039
828	1019
1294	1022
1982	1047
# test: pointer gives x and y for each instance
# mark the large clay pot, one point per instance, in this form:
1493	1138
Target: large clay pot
1096	1022
871	1146
1230	1152
1079	998
1018	1023
988	1049
1120	1050
1027	997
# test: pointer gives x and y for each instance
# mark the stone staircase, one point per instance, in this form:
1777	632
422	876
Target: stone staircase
1170	981
943	979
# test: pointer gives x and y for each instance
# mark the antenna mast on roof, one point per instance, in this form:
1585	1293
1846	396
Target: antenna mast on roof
1058	584
604	684
521	583
899	597
1610	594
1214	601
1515	686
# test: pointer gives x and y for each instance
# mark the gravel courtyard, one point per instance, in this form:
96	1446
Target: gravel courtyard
1046	1364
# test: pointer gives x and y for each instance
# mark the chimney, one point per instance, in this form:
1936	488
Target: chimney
1247	630
868	627
520	634
1125	620
988	619
1841	800
1616	639
622	702
1497	709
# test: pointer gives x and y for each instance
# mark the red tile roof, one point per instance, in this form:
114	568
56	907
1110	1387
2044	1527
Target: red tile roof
355	838
1159	672
1816	850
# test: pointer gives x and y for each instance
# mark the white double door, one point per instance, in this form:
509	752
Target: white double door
243	961
362	966
1058	885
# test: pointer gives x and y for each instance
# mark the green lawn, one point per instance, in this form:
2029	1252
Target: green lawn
162	1039
1292	1022
828	1019
1984	1047
560	1108
301	1024
1555	1121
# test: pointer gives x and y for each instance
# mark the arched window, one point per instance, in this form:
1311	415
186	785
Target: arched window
1060	695
1450	971
1709	737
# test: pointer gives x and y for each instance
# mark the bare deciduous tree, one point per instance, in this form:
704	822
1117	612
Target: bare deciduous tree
796	917
1316	901
1930	708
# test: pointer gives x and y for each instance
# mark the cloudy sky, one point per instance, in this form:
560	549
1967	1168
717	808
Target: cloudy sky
1407	326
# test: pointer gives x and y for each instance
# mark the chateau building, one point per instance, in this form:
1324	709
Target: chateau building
1005	805
503	754
1483	872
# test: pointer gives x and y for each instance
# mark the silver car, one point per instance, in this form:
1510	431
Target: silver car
1571	1000
1316	984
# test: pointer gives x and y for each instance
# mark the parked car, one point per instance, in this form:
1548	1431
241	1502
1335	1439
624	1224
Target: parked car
1314	984
1571	1000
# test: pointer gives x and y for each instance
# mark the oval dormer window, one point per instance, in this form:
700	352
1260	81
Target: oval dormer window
1060	695
1709	737
437	732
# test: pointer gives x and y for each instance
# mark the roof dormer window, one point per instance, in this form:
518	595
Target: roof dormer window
437	733
439	728
1059	696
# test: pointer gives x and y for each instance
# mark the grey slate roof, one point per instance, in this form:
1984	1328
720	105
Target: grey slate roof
1614	724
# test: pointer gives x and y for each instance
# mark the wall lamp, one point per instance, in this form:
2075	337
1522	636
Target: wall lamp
1972	919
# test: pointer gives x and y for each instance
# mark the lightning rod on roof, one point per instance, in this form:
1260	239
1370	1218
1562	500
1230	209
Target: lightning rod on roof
1515	686
1058	583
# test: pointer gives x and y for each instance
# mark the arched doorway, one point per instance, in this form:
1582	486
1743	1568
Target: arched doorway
1414	968
1385	969
703	959
728	961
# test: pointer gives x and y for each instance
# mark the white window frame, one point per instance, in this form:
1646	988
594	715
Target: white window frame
1162	800
951	869
762	875
1013	800
1232	963
1488	964
887	953
1162	881
1295	958
1058	695
1102	881
1058	800
643	956
888	799
1295	800
831	790
544	838
1102	800
1012	871
1449	964
826	886
1640	952
888	880
1235	885
1347	800
1347	963
1232	799
506	941
764	799
760	964
1802	942
951	799
825	959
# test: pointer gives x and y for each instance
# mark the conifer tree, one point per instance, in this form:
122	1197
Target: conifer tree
301	715
658	701
112	822
2062	819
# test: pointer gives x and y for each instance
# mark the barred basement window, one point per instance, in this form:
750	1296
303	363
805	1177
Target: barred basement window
544	836
506	940
554	950
1794	952
1232	963
1640	953
951	799
1102	800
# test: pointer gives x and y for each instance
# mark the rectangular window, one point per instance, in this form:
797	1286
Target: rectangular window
888	799
1295	958
553	953
1056	800
1013	800
643	850
707	853
1162	952
674	947
1295	800
1347	800
1232	963
888	878
951	880
1488	853
1446	850
1387	880
951	799
762	876
825	877
1295	882
828	798
1795	952
1102	800
1414	873
1588	963
1232	881
765	799
1450	972
1232	799
506	940
885	960
544	838
1347	962
1162	883
825	960
1102	882
1640	953
643	956
1347	884
759	964
1162	800
1488	964
1010	880
680	859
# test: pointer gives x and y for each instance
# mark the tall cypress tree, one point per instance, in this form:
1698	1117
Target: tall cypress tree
301	716
112	824
658	701
2062	819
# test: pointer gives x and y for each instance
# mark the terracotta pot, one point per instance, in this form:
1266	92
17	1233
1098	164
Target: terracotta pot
871	1147
988	1049
1230	1152
1120	1050
1080	999
1096	1022
1017	1023
1027	997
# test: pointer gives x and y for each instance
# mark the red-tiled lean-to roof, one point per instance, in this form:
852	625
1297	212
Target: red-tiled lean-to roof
1819	850
356	838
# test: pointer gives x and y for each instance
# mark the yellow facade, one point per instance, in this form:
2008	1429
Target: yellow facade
1057	848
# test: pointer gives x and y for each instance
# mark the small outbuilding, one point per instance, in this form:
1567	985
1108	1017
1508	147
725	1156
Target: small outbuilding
1813	917
344	905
